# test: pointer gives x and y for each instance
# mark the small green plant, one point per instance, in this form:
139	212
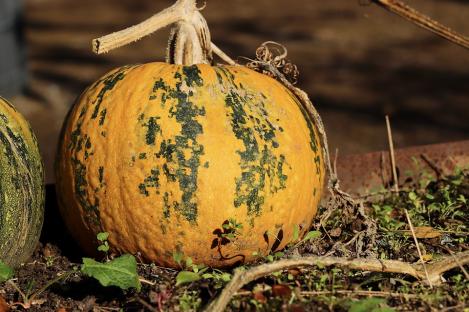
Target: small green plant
296	236
370	305
231	229
102	237
192	272
120	272
220	278
190	301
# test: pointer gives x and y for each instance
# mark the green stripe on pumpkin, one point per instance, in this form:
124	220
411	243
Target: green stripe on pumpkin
184	171
251	124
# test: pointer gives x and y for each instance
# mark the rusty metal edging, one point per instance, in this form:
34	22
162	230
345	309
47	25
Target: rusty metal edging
366	173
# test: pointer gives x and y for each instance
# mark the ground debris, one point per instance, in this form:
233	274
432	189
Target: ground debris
372	230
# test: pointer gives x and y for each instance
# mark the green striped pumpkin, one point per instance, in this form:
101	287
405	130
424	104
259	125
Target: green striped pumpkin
218	163
21	187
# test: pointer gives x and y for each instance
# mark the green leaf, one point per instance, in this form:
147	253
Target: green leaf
189	262
279	254
103	248
185	277
429	196
5	272
311	235
103	236
207	275
226	277
370	305
178	257
120	272
412	196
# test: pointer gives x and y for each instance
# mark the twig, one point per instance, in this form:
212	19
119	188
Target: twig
383	294
380	193
418	247
391	151
242	277
306	293
459	307
144	281
432	165
405	11
466	274
146	305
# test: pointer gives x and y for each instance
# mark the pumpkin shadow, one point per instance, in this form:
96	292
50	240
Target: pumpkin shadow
54	231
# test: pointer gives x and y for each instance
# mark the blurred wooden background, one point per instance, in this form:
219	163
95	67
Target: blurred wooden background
357	62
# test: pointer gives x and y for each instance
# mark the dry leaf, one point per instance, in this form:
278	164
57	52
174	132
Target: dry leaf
281	291
4	307
426	232
259	296
294	272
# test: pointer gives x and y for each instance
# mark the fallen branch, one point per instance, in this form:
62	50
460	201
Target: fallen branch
242	277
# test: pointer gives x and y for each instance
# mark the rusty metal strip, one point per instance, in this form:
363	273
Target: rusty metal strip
368	173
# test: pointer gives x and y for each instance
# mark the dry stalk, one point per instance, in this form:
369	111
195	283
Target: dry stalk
392	155
242	277
418	247
190	41
405	11
383	294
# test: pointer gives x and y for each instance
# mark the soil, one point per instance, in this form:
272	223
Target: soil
357	62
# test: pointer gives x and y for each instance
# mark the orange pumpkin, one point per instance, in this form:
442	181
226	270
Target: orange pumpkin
219	163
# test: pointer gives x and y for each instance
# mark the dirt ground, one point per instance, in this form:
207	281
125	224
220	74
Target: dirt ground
357	62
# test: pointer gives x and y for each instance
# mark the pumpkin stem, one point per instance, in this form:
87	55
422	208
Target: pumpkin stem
190	40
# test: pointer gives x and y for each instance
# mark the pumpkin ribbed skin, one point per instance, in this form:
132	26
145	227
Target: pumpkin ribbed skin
21	187
161	156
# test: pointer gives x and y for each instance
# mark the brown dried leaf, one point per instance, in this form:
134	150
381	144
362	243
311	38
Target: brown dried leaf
283	291
259	296
4	307
426	232
294	272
